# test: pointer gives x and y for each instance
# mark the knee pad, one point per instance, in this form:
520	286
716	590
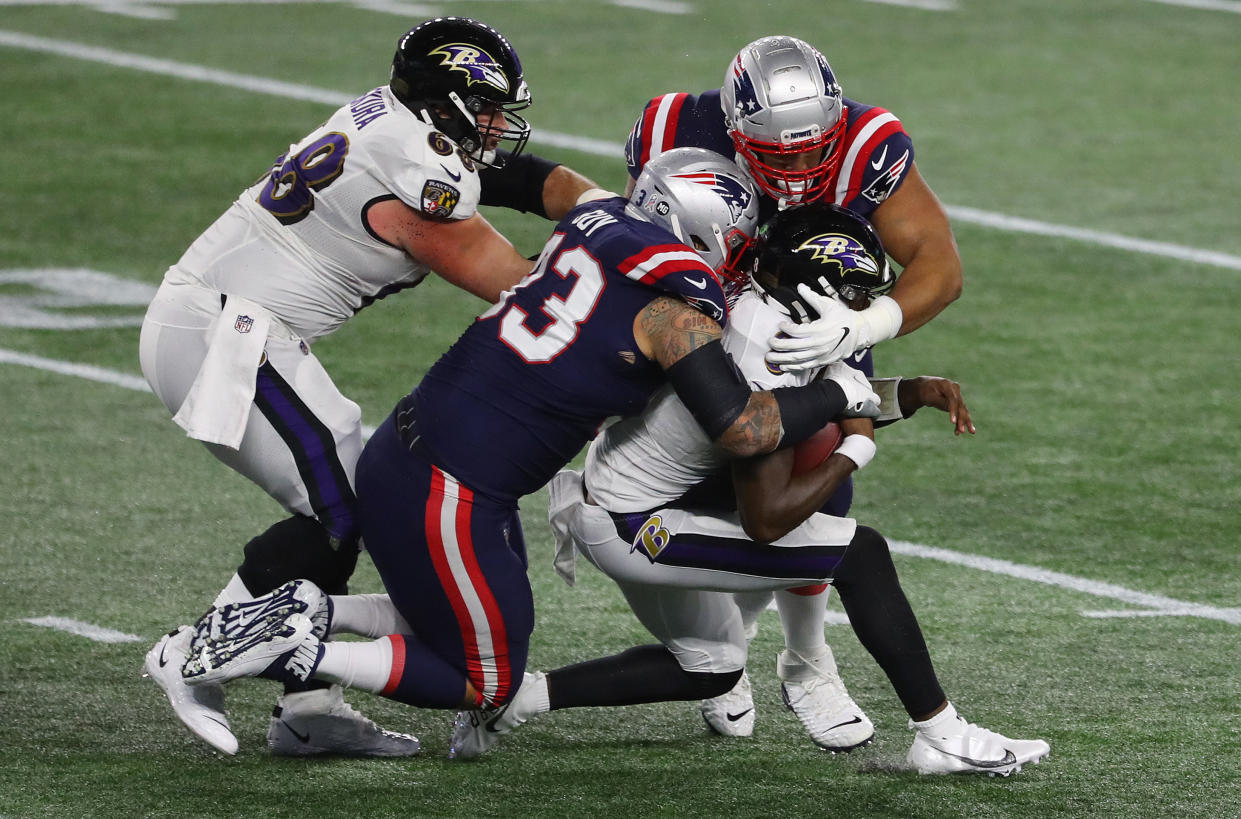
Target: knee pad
297	547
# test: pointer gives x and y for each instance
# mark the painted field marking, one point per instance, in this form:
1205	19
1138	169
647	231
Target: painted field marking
925	5
596	147
91	632
1233	6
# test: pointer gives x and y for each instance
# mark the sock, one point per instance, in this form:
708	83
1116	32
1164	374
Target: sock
234	592
936	723
752	604
538	694
366	615
365	666
803	617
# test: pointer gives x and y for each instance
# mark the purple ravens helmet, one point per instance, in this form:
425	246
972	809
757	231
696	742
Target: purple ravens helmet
831	249
449	70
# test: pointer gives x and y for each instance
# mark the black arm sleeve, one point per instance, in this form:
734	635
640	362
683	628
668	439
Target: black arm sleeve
805	410
517	185
711	387
715	393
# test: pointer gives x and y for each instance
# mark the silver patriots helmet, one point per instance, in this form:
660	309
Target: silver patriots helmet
831	249
706	201
449	70
786	117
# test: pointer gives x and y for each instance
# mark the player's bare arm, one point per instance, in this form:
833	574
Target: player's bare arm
915	232
773	501
940	393
562	189
469	253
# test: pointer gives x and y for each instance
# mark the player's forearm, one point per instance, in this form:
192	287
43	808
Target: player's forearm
772	501
930	282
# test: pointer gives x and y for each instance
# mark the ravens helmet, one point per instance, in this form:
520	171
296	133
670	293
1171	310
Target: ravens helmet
706	201
831	249
449	70
786	117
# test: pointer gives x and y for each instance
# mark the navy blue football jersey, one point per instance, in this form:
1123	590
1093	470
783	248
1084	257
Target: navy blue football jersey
877	152
531	381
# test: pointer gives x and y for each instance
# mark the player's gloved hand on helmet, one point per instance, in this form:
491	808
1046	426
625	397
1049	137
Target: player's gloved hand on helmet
838	332
861	400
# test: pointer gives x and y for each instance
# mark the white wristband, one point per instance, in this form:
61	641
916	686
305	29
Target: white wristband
883	320
857	448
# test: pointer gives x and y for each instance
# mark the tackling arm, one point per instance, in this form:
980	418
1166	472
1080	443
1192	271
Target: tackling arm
686	344
915	232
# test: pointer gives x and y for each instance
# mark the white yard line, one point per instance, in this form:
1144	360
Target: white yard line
925	5
597	147
91	632
1233	6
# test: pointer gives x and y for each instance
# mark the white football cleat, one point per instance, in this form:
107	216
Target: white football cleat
309	723
946	743
296	596
249	649
476	732
813	690
731	714
201	708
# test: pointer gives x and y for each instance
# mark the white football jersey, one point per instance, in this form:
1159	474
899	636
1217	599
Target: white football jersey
296	242
648	460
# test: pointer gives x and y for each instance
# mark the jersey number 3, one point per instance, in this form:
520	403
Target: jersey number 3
566	312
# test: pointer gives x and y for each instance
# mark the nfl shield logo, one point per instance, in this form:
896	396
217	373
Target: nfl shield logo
243	324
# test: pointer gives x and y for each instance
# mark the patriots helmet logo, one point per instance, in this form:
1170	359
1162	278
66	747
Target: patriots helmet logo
476	64
842	251
743	90
726	187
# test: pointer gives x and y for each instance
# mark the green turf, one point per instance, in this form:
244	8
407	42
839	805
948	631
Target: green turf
1103	382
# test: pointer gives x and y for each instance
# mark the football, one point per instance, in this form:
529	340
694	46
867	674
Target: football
815	449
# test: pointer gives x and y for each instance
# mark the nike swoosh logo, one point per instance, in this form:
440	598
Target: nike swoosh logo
489	724
1007	759
456	177
853	721
843	335
701	284
735	717
878	163
163	661
303	737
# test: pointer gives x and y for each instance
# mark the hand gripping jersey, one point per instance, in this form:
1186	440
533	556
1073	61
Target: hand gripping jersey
531	381
296	242
651	460
877	153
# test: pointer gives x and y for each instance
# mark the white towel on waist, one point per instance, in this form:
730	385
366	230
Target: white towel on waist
564	493
219	401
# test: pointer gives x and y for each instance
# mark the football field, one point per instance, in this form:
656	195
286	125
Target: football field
1074	566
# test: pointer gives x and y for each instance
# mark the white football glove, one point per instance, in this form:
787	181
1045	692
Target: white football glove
838	332
861	400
